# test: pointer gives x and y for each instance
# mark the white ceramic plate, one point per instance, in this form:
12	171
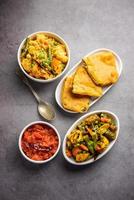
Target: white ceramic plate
71	160
71	71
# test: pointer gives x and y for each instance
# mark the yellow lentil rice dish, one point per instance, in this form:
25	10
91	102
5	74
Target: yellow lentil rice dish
43	57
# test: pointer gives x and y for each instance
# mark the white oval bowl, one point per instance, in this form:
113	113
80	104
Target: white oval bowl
71	160
20	138
71	71
59	39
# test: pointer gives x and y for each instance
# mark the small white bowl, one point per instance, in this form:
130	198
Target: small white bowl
59	39
71	160
20	138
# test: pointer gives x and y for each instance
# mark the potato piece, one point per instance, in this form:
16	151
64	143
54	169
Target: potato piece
103	129
82	157
102	144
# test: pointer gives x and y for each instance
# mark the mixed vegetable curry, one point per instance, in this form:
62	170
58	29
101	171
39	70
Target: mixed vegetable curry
91	137
43	57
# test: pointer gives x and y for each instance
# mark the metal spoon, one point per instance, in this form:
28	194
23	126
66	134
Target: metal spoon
44	108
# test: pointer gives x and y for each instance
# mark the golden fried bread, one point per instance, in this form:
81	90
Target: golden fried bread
83	84
72	101
102	68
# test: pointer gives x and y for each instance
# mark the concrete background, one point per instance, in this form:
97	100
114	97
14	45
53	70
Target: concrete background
85	25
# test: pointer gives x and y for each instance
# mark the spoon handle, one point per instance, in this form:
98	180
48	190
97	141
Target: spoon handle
25	80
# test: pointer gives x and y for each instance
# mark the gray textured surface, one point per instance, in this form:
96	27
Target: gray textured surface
85	25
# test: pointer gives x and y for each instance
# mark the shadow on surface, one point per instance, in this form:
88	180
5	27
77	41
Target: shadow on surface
23	163
92	166
72	168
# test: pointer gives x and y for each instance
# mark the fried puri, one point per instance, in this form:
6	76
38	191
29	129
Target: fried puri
73	102
83	84
102	68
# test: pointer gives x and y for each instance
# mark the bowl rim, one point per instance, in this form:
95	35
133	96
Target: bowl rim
55	35
20	138
71	161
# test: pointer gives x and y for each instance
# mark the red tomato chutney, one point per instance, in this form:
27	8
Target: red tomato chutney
39	142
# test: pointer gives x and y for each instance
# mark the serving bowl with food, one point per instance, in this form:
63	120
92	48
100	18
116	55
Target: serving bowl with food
88	80
39	142
43	56
91	137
